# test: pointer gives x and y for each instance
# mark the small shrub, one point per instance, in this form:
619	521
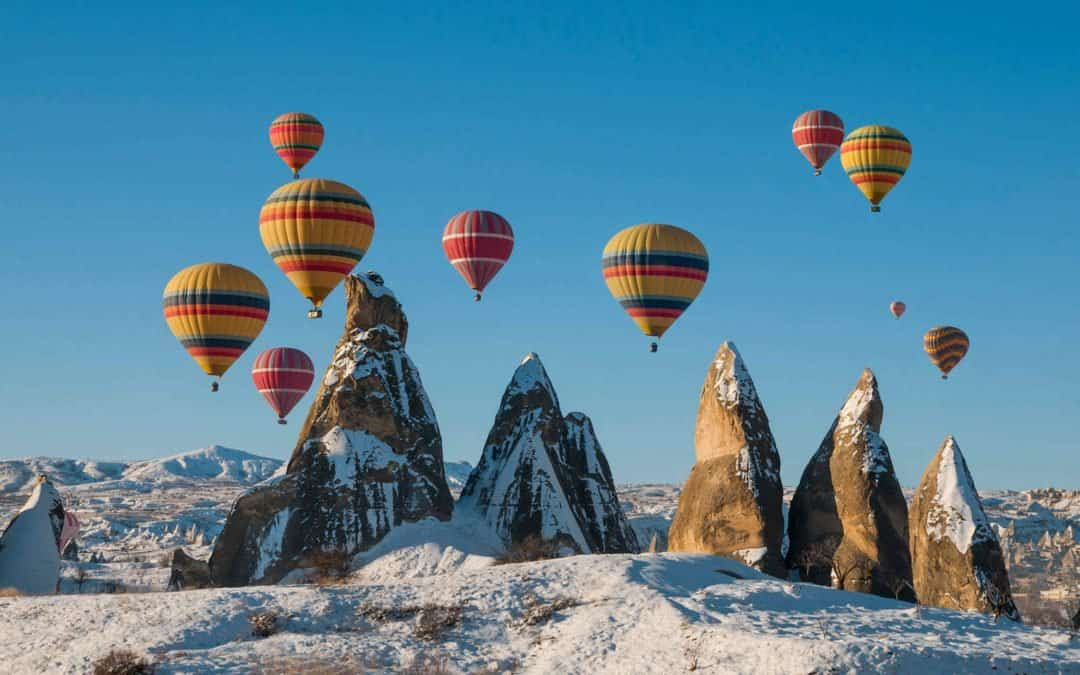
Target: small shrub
432	620
122	662
316	665
428	665
531	548
331	567
263	624
113	587
9	592
537	611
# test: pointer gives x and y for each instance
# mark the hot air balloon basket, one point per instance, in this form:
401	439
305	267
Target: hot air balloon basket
314	313
281	421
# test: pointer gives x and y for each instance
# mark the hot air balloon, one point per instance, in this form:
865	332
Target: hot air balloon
296	138
875	158
215	310
897	308
316	230
817	135
478	244
655	271
282	375
946	345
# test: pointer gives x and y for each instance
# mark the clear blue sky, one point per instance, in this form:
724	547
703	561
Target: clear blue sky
135	144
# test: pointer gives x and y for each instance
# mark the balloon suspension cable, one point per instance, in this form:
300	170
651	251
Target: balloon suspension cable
817	172
476	298
214	385
653	347
296	174
874	208
281	420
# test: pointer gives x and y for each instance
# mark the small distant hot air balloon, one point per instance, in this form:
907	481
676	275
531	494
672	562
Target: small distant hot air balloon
875	159
897	308
817	134
215	310
68	530
946	345
296	138
316	230
282	375
478	244
655	271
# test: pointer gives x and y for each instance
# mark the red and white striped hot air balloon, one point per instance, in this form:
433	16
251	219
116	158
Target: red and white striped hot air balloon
478	244
818	134
282	375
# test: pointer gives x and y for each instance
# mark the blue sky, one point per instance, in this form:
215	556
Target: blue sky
136	145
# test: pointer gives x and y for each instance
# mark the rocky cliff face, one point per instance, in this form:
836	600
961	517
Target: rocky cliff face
30	544
544	474
847	525
732	504
369	457
956	557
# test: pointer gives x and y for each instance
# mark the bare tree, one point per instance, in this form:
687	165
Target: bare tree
816	555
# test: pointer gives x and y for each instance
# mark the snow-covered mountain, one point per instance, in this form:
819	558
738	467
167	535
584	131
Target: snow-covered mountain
457	474
18	475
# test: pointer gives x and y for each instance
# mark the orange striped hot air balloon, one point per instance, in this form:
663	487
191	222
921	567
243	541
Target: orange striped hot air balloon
316	230
897	308
817	134
946	345
875	159
296	138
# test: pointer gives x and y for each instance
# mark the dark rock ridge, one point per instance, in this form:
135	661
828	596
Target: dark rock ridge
848	521
543	474
956	556
369	458
732	504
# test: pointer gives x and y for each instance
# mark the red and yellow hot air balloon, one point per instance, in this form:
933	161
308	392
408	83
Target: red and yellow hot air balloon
897	308
946	345
655	271
817	134
296	138
316	230
875	159
215	310
282	375
478	244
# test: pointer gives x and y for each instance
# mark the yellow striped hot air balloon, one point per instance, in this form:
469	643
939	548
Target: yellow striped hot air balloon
316	230
655	271
875	159
946	345
215	310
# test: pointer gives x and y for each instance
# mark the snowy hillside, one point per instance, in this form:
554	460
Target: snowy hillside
586	614
17	475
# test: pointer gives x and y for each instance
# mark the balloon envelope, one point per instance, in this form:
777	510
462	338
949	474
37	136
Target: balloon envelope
282	375
655	271
215	310
817	134
478	244
316	230
875	159
296	138
897	308
946	345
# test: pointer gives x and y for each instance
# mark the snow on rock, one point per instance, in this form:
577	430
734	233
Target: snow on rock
544	474
957	558
369	457
457	474
30	544
848	512
733	499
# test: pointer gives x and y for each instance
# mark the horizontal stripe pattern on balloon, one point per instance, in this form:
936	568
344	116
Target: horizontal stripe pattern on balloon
817	134
875	158
946	346
654	272
282	375
296	138
478	243
216	311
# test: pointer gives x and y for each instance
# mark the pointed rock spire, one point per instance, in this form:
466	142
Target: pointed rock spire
847	525
956	556
732	504
30	544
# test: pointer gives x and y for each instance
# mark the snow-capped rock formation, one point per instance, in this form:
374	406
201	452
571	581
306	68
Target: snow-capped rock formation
956	556
30	544
732	503
369	458
848	521
544	474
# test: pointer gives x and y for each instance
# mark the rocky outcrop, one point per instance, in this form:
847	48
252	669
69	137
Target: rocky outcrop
847	525
732	504
30	544
369	457
956	556
543	474
188	573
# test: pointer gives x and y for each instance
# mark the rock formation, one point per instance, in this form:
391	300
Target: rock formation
369	457
30	544
847	525
542	474
188	573
732	504
956	557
